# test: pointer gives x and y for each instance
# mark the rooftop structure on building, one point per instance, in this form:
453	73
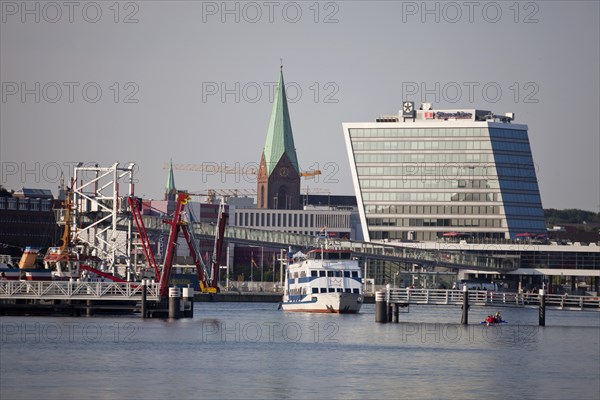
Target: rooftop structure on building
428	174
31	193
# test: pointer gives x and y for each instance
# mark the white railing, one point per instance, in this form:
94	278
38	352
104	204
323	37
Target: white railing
77	290
483	297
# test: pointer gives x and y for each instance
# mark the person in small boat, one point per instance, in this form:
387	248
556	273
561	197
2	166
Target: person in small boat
498	317
489	319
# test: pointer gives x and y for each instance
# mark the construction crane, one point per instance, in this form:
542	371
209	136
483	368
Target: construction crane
213	168
219	241
310	174
208	282
211	194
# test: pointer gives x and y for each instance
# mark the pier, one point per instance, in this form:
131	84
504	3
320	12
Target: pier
389	301
74	297
76	290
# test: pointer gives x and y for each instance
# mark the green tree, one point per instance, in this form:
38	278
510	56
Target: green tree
5	193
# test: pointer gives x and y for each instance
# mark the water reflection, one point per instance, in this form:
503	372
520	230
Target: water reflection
236	350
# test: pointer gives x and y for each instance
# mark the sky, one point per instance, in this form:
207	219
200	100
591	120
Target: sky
192	81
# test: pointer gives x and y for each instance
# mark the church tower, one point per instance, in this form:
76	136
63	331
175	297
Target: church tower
279	173
170	191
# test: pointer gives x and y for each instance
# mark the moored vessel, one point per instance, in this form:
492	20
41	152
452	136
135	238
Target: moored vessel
26	269
324	280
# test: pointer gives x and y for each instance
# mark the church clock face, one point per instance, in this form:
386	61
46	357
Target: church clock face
283	172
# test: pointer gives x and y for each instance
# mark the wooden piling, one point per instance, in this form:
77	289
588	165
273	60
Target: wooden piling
380	308
144	301
174	302
542	315
89	311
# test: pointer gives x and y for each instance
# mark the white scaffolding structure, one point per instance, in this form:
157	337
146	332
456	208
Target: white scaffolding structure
99	210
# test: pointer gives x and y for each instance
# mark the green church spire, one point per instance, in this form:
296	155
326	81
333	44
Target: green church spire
170	190
280	140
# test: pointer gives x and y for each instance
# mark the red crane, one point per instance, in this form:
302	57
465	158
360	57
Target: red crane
219	241
207	285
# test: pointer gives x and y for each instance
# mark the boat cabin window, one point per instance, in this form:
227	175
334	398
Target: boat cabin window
314	273
302	274
355	274
323	290
346	274
355	291
331	290
315	290
295	274
348	290
322	273
330	255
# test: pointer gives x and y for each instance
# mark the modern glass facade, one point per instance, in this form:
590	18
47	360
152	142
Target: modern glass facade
421	180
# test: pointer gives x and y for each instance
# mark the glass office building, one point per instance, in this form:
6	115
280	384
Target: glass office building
425	175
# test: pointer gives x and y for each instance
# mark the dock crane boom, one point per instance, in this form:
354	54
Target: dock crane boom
139	223
219	240
208	283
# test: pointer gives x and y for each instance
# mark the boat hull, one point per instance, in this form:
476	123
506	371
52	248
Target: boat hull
339	303
26	274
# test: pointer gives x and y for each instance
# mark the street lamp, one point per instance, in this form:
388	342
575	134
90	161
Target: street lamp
395	275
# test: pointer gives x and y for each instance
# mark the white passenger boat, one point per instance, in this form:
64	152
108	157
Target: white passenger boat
324	280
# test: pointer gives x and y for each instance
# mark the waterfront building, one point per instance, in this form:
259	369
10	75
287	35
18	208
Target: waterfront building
424	175
27	219
311	220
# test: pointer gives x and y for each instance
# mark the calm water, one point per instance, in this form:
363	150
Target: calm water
244	350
